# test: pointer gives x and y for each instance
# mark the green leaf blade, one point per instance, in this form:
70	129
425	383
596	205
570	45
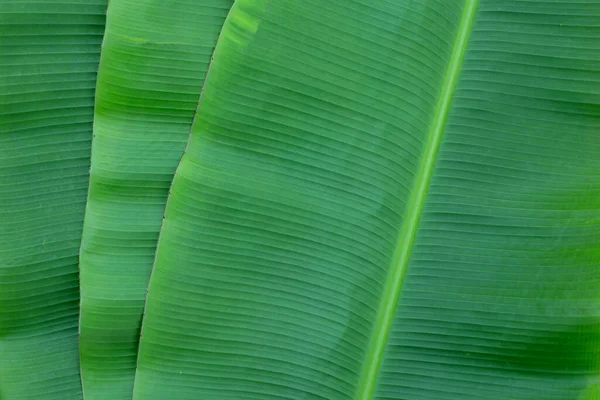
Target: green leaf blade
49	55
154	61
284	214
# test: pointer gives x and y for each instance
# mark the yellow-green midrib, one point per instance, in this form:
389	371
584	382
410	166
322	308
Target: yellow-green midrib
393	286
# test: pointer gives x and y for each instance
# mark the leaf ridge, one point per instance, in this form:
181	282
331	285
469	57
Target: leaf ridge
393	286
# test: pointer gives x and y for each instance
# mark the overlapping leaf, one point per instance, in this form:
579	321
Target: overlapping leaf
154	61
379	199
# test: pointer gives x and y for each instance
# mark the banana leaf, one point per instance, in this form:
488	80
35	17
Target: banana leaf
386	200
153	63
49	52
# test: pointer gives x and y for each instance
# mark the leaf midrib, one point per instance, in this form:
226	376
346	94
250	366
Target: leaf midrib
393	286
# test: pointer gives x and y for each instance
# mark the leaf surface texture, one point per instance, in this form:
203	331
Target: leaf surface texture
154	61
49	54
386	200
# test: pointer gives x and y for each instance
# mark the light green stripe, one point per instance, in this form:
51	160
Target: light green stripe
366	385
